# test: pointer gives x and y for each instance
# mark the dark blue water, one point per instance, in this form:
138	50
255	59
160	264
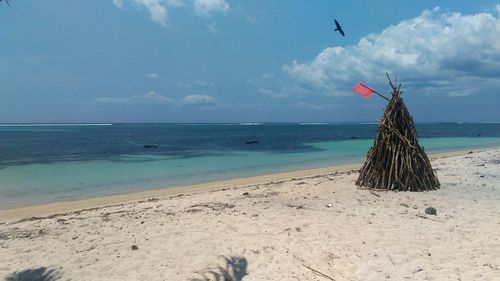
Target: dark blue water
20	145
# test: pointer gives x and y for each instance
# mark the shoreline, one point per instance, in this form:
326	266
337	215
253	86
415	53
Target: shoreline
287	229
59	208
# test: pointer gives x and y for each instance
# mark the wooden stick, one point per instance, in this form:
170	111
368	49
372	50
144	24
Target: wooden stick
319	273
380	95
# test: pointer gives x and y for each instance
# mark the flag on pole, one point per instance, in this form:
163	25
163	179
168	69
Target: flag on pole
363	90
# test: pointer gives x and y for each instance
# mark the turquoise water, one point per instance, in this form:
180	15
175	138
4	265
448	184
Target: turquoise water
43	182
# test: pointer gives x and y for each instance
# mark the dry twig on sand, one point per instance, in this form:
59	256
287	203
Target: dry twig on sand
318	273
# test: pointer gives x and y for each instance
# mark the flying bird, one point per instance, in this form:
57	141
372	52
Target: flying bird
339	28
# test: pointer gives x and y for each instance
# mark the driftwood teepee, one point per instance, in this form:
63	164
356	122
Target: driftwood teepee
396	161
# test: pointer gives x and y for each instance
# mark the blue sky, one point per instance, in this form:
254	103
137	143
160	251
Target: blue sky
245	61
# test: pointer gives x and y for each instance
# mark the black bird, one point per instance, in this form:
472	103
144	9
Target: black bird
339	28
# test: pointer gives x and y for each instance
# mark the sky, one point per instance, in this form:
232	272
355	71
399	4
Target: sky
246	61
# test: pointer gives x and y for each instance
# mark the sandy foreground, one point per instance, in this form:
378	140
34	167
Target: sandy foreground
310	227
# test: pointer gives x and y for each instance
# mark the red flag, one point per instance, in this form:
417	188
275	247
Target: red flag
363	90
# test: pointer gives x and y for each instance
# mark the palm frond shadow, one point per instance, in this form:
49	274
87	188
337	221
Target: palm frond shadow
35	274
233	269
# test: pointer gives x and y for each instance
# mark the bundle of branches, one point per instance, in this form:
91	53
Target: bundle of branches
396	161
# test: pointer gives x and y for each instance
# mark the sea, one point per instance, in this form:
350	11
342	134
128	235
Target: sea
43	163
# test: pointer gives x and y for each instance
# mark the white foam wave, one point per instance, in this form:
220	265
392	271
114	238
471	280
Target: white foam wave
250	124
54	124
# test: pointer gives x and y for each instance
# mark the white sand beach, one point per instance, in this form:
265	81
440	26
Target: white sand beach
296	226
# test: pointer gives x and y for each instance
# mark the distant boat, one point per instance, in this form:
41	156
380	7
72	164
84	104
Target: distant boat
150	146
354	137
252	142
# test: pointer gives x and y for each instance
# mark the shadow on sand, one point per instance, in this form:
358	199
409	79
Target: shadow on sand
233	269
35	274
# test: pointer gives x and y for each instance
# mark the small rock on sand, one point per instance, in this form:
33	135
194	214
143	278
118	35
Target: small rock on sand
430	211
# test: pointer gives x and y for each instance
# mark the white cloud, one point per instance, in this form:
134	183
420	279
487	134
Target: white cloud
251	19
175	3
435	52
266	92
207	7
157	11
212	27
156	8
272	93
153	75
154	98
186	86
118	3
309	106
150	98
196	100
198	84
